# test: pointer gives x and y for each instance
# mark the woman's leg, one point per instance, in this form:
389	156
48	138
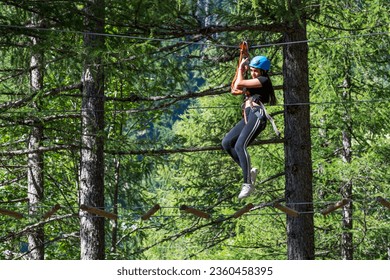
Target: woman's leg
230	139
250	131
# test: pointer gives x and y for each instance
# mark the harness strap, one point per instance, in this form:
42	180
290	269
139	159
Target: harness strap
271	120
243	113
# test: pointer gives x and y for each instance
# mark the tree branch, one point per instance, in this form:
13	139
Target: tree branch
33	226
34	120
38	150
187	150
182	233
189	94
61	237
214	29
21	102
135	152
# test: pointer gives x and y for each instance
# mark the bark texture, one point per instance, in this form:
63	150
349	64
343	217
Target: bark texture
298	164
35	185
92	139
346	188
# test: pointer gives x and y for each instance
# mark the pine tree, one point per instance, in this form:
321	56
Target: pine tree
92	133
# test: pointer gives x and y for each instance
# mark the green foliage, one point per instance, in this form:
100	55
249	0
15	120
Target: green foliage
340	68
147	81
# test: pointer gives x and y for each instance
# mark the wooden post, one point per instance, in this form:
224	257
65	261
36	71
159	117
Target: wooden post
242	211
151	212
335	206
288	211
98	212
51	212
10	213
383	201
195	212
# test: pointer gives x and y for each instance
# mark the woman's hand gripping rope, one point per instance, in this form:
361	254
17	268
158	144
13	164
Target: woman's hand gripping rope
244	55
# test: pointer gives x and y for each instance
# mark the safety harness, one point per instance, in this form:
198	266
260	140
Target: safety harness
244	53
259	115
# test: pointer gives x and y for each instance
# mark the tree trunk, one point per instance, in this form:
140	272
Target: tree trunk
346	189
92	134
117	163
298	165
114	239
35	187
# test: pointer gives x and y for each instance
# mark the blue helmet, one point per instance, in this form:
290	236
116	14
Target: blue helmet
260	62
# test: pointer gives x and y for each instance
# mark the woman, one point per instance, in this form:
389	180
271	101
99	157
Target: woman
258	90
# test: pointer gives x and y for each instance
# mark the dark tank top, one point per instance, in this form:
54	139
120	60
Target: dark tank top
263	93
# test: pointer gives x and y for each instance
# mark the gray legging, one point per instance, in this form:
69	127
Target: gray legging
241	135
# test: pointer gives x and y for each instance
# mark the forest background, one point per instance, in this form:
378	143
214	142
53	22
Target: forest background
122	105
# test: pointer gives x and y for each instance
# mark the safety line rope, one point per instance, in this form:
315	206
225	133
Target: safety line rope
316	40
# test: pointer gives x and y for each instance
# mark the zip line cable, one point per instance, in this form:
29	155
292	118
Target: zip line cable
321	39
139	208
191	42
99	213
138	216
303	103
136	111
319	203
210	44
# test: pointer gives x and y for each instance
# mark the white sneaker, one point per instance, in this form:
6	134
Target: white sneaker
246	190
254	172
